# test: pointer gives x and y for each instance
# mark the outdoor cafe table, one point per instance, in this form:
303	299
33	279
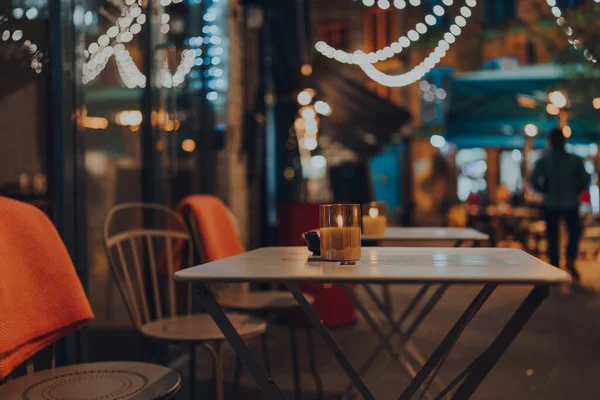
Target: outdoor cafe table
406	236
399	235
445	266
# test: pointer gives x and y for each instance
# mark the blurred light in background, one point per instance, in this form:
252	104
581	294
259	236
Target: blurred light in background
531	130
552	109
527	101
323	108
188	145
304	98
299	124
557	98
129	118
306	70
289	173
566	131
516	155
318	161
94	122
437	141
308	113
310	143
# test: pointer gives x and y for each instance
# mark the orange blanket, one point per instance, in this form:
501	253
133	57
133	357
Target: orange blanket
41	297
218	235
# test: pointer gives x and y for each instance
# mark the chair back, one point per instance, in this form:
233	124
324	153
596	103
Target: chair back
143	260
213	227
215	232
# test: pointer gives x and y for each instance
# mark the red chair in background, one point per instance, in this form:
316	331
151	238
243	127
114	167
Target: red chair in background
330	301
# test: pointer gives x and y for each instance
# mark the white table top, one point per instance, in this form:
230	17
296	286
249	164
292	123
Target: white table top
428	234
382	264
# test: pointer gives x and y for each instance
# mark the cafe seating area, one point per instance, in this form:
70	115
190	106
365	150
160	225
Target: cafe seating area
164	310
299	199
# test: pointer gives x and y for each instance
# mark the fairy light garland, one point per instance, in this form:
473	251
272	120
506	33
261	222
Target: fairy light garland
123	31
562	22
366	60
17	36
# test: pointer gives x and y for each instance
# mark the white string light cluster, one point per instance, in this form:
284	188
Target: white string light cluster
430	92
129	73
386	4
366	60
123	31
16	36
307	124
562	22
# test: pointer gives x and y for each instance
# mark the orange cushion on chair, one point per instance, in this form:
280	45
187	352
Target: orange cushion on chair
41	297
217	232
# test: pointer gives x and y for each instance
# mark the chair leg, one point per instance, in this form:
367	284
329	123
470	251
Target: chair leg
312	360
265	351
218	368
192	372
295	366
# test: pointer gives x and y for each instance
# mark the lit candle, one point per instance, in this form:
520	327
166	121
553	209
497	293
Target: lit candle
341	242
374	224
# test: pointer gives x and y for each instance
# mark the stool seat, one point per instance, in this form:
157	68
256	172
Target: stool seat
260	301
94	381
201	327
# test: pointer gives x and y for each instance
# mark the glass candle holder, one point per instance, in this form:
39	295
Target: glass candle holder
374	218
340	232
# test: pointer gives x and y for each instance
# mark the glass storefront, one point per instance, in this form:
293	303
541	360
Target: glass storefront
25	99
154	111
145	117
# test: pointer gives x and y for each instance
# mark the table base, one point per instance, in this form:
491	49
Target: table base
465	383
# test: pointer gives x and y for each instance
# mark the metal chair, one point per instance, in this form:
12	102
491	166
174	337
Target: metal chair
104	380
265	304
153	308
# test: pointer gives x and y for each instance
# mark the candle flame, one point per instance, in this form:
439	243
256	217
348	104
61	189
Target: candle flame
340	221
373	212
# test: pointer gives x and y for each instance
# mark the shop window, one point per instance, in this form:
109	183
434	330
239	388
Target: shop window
335	33
498	11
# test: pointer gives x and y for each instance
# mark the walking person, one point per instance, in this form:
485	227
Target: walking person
561	177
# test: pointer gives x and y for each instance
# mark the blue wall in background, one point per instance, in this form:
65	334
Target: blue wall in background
385	175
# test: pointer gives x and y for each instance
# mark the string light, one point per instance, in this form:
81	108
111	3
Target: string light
386	4
430	92
403	42
562	22
531	130
37	57
419	71
123	31
366	60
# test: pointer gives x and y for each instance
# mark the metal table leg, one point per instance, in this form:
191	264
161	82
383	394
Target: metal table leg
329	341
396	329
472	376
266	384
484	364
435	361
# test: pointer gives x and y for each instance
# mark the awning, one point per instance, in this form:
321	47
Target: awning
361	120
484	111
